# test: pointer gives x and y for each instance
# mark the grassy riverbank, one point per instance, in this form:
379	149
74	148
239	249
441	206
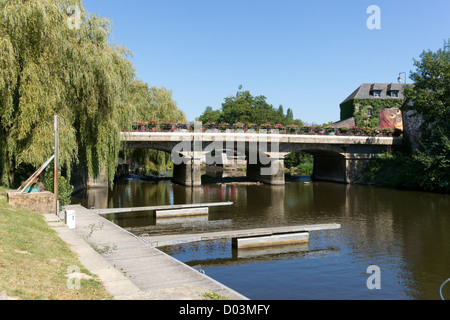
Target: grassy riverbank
34	261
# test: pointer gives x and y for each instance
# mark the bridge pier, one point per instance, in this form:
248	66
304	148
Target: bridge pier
342	169
355	164
188	174
272	173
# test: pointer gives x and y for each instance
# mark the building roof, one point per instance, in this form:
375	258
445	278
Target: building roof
350	122
365	91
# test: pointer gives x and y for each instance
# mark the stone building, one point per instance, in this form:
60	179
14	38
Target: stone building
364	106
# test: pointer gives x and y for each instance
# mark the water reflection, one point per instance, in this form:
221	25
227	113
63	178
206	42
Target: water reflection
403	232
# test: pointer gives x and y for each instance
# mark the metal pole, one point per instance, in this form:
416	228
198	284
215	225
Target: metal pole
56	170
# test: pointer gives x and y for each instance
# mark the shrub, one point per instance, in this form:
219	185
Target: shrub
65	189
343	131
305	130
239	126
182	126
223	126
292	128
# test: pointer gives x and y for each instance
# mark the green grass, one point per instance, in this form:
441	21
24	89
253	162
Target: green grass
213	296
34	261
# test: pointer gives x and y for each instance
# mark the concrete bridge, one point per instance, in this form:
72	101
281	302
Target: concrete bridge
336	158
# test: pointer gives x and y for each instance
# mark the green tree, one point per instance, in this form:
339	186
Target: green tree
210	115
289	115
49	66
430	98
152	104
246	108
430	94
428	167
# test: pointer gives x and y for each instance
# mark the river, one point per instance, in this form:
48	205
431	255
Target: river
404	233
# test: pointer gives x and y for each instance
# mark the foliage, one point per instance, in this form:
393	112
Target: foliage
430	95
152	103
154	126
210	115
302	161
433	161
428	167
422	170
48	68
156	111
246	108
359	108
306	168
65	189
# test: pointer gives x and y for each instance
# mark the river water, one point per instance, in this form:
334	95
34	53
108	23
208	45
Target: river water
404	233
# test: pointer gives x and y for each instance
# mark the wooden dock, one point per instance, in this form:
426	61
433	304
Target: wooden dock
158	275
160	208
168	240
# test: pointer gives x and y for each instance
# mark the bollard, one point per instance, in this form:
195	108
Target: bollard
70	219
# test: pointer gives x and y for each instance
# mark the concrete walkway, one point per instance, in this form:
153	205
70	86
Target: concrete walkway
129	267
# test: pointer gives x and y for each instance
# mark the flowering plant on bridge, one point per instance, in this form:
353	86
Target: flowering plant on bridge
305	130
330	130
239	126
367	131
167	127
210	126
387	132
182	126
376	132
354	131
224	126
139	127
316	130
265	126
279	127
292	128
343	131
152	126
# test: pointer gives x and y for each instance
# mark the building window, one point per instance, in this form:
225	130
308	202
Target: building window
370	112
376	93
394	94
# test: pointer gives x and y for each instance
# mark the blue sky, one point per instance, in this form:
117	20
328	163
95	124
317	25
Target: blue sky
305	55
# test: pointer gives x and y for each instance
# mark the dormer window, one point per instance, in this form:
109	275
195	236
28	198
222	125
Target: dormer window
394	93
376	93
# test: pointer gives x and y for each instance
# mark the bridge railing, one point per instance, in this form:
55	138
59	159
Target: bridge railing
154	126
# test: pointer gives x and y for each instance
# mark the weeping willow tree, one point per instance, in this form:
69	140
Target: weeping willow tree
152	103
55	58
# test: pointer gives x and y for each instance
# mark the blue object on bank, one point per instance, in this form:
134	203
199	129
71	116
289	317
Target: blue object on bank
32	189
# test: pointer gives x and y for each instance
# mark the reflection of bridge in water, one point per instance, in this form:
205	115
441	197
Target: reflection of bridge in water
336	158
